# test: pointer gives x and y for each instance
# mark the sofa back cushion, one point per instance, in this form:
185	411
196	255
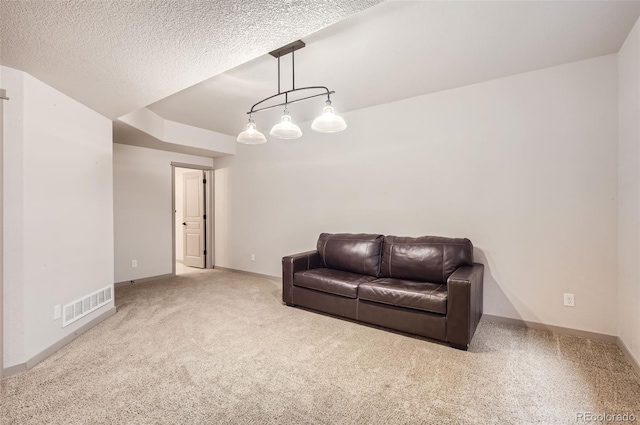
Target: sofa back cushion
351	253
427	258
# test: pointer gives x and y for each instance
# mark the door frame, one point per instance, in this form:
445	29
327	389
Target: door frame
209	212
3	97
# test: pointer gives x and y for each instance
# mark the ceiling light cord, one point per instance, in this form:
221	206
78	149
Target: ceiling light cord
328	122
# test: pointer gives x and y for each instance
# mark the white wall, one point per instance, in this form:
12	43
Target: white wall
524	166
629	192
142	209
58	206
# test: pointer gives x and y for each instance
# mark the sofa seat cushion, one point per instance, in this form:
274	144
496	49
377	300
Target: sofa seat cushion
423	296
332	281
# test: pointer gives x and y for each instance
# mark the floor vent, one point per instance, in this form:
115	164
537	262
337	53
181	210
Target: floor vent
85	305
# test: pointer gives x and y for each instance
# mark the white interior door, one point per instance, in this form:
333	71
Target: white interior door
193	225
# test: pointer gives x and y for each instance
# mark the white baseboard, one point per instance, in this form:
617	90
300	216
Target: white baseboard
264	276
21	367
611	339
141	280
627	353
14	370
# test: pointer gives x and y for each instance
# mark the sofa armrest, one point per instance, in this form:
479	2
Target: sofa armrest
295	263
464	304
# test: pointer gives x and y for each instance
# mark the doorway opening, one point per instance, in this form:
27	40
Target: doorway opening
192	207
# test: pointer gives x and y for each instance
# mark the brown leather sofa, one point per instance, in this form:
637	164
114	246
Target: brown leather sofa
427	286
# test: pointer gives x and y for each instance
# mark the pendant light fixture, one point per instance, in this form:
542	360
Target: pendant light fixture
285	129
328	122
251	136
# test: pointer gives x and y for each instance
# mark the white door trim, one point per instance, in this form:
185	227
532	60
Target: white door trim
2	94
209	204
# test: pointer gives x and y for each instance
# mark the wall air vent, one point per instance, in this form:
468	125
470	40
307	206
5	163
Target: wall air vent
85	305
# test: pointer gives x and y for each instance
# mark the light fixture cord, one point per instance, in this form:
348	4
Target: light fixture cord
278	74
293	68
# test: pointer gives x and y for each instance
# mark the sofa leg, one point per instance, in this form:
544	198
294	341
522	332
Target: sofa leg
459	346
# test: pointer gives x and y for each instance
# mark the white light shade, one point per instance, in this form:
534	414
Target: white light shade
285	129
251	136
328	122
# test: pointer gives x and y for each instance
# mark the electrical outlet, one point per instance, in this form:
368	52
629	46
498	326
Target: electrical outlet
569	300
57	312
134	263
253	257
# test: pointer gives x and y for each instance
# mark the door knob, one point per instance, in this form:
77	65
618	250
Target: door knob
184	224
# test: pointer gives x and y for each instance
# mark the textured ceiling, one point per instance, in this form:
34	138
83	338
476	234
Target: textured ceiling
397	50
118	56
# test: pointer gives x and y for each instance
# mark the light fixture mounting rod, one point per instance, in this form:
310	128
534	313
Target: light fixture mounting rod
289	48
282	51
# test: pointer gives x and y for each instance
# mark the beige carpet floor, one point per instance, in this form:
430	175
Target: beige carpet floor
216	347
